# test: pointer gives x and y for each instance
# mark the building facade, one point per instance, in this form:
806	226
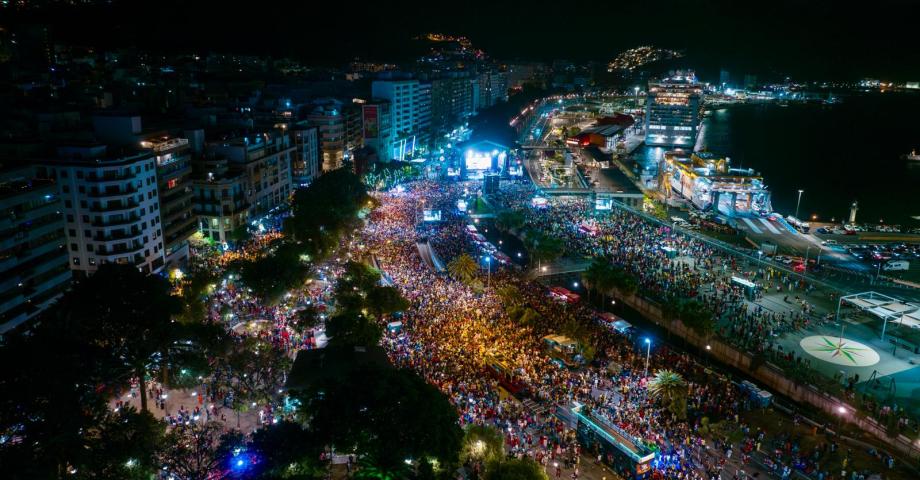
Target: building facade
673	111
327	116
33	259
265	160
378	128
174	182
306	165
410	102
111	206
219	199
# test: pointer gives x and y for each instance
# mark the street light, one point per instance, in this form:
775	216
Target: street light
648	353
797	203
636	98
489	266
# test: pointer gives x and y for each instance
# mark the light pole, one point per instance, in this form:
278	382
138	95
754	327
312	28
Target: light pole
489	267
636	98
648	353
797	203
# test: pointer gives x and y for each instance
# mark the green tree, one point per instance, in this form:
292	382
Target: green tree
482	444
515	469
542	248
670	388
351	328
387	300
199	451
287	450
509	220
385	416
129	314
273	275
463	268
252	370
509	295
123	445
353	285
326	209
697	317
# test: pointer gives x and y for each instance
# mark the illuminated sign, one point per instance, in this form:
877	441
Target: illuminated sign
431	215
453	172
538	202
603	204
371	126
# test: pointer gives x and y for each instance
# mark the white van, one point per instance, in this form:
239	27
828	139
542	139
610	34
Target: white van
896	265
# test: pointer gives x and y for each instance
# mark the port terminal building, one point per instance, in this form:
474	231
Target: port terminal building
710	183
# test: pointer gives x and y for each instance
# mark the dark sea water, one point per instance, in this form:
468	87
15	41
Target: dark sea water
835	153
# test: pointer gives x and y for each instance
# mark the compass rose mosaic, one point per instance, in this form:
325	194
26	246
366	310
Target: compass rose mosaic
841	351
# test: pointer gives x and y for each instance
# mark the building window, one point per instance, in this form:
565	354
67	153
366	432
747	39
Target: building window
76	260
73	247
92	260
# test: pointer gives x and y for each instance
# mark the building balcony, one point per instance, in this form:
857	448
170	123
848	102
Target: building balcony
128	190
115	222
131	249
113	208
113	236
92	178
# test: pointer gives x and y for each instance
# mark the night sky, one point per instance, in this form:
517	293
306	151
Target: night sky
808	39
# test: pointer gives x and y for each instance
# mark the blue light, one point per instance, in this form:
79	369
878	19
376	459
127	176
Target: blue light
648	341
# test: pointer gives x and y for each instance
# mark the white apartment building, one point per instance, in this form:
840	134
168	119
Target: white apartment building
410	102
111	207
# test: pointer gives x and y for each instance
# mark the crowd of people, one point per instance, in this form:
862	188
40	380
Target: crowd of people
465	343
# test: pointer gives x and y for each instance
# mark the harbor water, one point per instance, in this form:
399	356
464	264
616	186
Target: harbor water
835	153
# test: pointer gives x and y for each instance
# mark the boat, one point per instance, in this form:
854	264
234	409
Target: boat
913	156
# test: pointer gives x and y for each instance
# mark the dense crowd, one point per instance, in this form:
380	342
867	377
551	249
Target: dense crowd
465	343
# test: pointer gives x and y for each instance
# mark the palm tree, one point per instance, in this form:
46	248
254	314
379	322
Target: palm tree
463	268
670	388
600	276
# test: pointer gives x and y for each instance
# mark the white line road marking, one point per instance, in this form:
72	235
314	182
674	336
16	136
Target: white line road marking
769	226
751	224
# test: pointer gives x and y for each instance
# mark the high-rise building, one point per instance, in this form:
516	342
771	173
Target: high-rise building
410	101
265	159
451	102
174	180
305	167
673	110
328	117
354	138
493	88
33	260
220	199
725	78
378	128
111	206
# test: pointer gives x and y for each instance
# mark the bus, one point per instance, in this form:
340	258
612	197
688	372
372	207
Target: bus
563	351
623	453
505	376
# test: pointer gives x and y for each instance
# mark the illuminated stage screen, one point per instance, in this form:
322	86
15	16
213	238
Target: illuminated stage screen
603	204
431	215
478	160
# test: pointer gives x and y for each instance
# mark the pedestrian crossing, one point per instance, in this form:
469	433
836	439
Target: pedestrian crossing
752	226
769	226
